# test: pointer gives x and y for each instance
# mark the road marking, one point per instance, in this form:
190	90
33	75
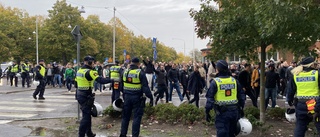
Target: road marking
70	97
47	100
5	121
17	115
25	108
35	103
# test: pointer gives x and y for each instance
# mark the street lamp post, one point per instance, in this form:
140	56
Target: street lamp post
114	36
37	51
184	47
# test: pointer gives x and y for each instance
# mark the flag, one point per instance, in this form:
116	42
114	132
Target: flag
154	44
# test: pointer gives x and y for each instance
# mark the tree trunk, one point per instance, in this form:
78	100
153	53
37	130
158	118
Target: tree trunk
262	82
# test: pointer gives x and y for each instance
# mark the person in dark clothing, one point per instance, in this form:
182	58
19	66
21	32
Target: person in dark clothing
148	70
184	78
234	72
303	93
272	81
195	84
173	76
40	76
57	76
162	84
227	99
283	81
245	82
99	69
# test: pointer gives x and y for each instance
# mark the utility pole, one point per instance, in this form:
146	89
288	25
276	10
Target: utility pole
37	46
114	36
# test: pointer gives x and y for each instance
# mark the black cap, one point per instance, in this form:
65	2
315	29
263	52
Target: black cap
222	64
41	60
135	60
117	62
307	60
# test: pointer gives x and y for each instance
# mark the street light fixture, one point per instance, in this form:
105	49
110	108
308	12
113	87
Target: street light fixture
184	47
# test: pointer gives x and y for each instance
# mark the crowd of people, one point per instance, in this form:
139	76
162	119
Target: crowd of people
226	85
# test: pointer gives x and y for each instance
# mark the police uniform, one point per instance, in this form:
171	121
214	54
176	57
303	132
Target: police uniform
134	85
227	99
303	93
14	69
25	74
85	78
115	72
40	71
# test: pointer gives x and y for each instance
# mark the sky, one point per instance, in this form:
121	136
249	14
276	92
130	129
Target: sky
167	20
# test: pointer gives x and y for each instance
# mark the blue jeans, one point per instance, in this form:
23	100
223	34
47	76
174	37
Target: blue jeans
69	83
132	103
303	119
272	93
57	78
177	87
226	123
97	86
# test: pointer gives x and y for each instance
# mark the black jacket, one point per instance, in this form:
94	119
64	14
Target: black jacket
184	77
244	79
195	83
173	75
149	67
272	79
161	77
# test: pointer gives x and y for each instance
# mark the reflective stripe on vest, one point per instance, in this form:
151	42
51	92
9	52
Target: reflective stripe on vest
42	70
115	72
131	80
307	85
83	83
14	68
25	66
226	91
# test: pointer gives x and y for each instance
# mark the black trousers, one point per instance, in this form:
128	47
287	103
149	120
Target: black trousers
25	79
252	96
13	76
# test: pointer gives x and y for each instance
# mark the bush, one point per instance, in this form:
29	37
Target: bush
276	113
255	112
166	112
111	112
149	111
190	113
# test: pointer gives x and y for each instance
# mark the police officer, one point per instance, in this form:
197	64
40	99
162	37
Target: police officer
14	69
40	71
135	84
86	76
115	72
227	99
25	73
304	85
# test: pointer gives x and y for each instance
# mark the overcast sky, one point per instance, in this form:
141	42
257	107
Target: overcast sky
163	19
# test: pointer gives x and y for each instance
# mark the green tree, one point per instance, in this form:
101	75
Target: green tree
56	36
242	27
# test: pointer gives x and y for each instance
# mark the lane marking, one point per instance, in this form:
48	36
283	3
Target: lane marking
36	103
25	108
17	115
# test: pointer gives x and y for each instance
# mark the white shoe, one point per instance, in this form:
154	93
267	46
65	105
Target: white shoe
170	102
269	105
184	102
276	106
69	91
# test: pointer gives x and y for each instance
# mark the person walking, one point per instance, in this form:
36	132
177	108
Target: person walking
227	99
161	84
173	77
115	72
195	84
135	85
184	78
245	81
255	80
49	75
272	83
69	76
86	76
40	71
25	74
57	76
303	94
